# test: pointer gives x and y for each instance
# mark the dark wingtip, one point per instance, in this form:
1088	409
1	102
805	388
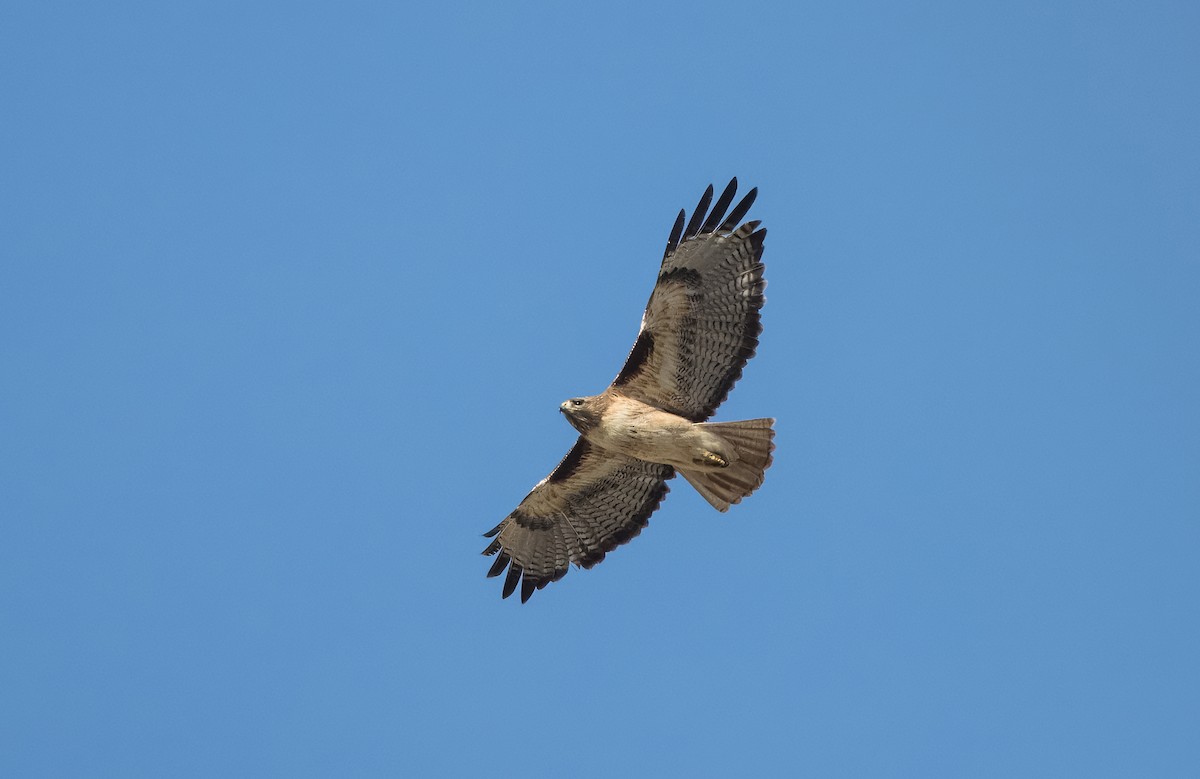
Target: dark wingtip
718	210
698	215
739	210
527	588
756	240
510	583
676	233
498	567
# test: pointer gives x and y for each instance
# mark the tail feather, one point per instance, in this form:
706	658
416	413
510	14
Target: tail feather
752	439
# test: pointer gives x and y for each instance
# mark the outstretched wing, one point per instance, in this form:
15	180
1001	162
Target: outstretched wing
594	501
702	323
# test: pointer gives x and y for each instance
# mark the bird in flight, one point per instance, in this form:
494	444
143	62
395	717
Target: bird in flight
699	329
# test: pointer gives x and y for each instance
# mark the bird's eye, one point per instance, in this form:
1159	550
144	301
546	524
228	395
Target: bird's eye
576	402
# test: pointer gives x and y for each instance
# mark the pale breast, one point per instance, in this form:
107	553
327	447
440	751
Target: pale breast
638	430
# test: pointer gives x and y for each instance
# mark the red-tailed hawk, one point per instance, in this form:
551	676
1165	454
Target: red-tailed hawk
700	327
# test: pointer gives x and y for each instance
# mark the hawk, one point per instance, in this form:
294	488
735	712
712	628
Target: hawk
699	329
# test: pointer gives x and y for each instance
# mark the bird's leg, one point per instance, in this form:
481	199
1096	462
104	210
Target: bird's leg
713	459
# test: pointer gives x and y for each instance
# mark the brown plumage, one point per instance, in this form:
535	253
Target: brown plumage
700	327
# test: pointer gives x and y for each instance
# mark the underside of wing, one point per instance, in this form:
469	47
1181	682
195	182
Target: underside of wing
593	502
702	322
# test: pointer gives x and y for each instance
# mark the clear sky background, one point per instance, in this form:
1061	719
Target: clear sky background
291	294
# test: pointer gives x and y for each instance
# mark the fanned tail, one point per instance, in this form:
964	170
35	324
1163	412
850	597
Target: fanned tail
752	438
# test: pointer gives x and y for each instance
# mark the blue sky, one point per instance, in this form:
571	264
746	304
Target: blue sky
291	294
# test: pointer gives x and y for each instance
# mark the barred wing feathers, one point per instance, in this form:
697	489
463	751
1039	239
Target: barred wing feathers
702	322
593	502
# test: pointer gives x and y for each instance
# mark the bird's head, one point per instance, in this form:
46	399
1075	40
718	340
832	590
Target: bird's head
582	413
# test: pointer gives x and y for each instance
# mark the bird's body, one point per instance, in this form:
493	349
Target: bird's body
639	430
699	329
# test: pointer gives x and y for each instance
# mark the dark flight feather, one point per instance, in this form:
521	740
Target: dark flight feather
698	215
